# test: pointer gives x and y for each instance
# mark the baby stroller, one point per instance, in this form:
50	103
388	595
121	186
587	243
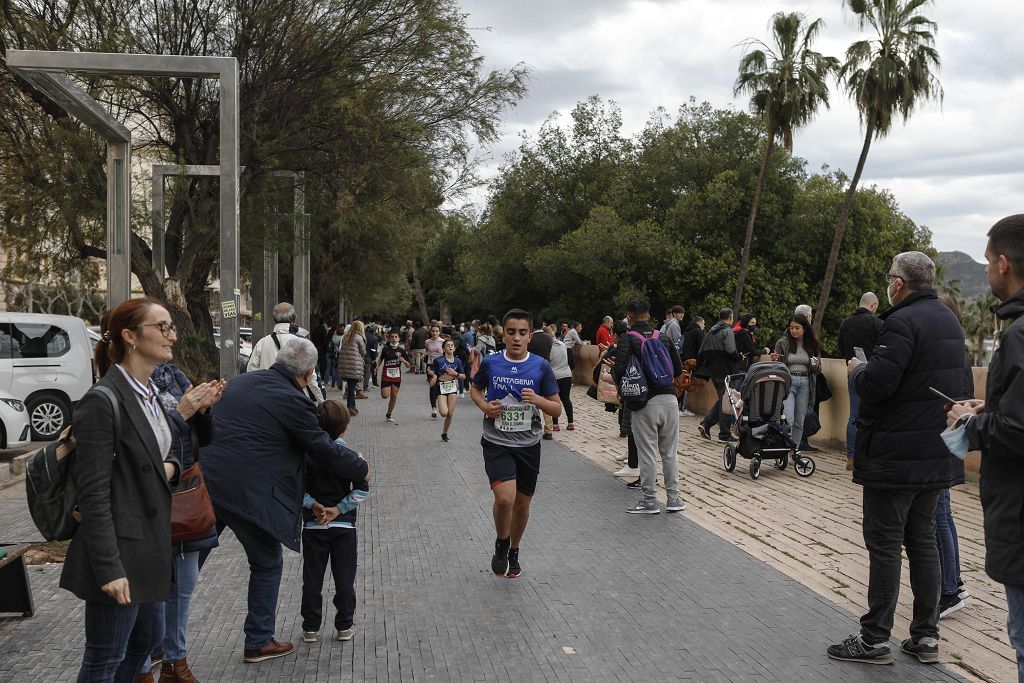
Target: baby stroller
760	423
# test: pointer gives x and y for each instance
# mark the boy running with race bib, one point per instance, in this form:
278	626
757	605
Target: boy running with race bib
392	357
512	389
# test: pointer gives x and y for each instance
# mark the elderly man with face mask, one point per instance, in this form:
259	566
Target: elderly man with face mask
901	460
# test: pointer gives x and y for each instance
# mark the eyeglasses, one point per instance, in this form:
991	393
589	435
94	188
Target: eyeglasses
889	277
165	328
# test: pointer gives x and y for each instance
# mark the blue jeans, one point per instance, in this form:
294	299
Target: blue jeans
176	607
1015	624
795	406
265	566
851	424
948	543
118	640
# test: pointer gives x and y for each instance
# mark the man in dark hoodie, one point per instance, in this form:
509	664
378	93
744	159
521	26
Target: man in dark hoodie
996	427
717	359
901	461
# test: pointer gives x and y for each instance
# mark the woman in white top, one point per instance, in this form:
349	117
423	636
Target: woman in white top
563	374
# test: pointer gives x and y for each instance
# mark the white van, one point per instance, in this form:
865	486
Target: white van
46	361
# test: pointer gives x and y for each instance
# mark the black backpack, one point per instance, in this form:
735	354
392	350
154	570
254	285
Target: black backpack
50	484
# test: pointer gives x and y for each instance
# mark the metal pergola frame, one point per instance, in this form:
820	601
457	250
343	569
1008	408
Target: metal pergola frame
264	285
48	72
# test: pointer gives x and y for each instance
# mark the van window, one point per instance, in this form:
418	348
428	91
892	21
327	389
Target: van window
34	340
9	346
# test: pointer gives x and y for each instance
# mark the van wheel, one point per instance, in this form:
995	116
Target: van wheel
48	415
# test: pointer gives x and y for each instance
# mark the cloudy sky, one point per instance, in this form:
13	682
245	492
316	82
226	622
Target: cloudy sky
956	168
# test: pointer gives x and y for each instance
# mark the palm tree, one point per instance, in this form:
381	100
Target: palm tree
786	84
888	75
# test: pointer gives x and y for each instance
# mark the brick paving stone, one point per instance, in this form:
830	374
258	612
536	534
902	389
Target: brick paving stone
637	597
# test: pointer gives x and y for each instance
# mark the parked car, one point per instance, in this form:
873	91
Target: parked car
244	345
14	427
45	361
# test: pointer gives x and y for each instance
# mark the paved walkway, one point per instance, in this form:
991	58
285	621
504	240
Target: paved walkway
604	596
810	529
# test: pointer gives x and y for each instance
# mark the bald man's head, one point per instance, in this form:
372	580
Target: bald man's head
869	300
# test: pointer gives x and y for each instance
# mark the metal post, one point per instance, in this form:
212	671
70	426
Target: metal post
119	266
158	226
229	293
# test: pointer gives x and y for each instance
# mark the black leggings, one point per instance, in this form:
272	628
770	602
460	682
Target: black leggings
435	391
564	391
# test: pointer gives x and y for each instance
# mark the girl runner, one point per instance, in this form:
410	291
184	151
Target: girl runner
435	349
445	373
392	357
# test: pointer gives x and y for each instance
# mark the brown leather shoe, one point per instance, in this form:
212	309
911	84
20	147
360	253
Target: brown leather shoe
175	672
849	464
362	395
269	651
145	678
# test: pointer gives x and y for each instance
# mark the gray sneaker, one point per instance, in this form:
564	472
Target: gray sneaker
925	649
645	507
675	505
310	636
347	634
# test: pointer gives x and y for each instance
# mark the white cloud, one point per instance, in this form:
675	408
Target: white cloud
956	168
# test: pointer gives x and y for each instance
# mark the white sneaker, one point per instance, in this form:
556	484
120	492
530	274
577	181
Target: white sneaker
621	458
686	413
627	472
310	636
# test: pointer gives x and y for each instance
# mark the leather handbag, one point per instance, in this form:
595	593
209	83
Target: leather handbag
192	514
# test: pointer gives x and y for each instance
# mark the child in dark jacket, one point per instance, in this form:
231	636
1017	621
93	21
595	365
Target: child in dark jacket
329	534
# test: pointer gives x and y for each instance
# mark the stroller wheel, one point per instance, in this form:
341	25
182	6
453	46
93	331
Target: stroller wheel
755	467
804	466
729	458
782	461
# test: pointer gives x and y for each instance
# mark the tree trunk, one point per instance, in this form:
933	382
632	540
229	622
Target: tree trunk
837	239
420	300
745	255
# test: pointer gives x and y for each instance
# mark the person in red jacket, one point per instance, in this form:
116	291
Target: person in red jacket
604	333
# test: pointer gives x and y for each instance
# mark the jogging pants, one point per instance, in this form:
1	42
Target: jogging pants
339	548
656	430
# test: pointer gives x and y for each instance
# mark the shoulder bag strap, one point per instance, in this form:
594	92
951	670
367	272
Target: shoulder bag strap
117	412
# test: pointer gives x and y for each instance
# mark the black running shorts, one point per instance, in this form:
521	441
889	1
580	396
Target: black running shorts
520	464
388	383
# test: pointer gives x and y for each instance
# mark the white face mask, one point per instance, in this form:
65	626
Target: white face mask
394	345
888	294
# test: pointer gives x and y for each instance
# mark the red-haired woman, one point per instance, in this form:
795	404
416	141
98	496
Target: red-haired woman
119	560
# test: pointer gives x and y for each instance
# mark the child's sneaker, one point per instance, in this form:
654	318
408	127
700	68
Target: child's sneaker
347	633
310	636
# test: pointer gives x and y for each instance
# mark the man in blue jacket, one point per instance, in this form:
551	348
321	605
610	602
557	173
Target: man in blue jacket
265	425
996	427
901	460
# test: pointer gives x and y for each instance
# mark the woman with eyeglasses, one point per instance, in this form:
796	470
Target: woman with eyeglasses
119	561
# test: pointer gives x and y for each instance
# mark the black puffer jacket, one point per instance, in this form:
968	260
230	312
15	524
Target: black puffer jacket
999	432
693	337
898	444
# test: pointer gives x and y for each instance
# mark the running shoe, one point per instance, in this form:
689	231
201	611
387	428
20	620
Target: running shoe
310	636
702	428
388	418
950	603
444	437
556	428
855	649
433	414
925	649
571	427
645	507
675	505
346	633
499	562
627	472
633	484
686	413
514	569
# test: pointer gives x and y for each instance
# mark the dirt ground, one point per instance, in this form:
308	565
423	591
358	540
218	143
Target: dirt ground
43	553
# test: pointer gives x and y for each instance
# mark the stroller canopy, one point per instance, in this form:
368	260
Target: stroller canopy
764	389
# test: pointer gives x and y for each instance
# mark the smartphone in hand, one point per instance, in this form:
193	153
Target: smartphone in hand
858	353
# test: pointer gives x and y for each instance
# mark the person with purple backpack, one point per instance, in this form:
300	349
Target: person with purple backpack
645	366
